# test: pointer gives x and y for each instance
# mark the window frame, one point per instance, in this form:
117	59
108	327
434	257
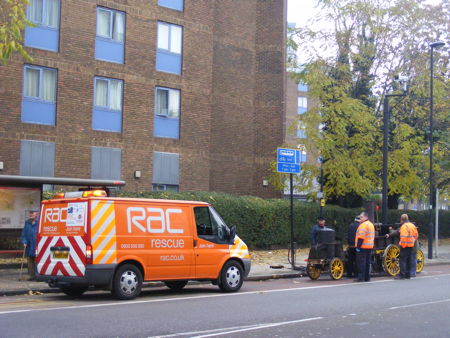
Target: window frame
44	7
108	79
170	25
40	69
304	100
168	90
111	24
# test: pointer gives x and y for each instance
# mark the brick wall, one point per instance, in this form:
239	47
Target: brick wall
231	85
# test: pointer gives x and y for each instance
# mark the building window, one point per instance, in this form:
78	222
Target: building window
37	158
167	113
169	53
109	42
106	163
301	133
45	15
39	95
172	4
107	114
166	171
301	87
165	187
302	105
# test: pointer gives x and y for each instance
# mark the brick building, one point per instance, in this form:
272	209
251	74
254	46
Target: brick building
164	94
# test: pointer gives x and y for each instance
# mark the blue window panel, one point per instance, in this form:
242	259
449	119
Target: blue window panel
301	110
109	50
166	127
301	134
302	87
37	158
42	37
106	163
168	62
173	4
107	120
36	111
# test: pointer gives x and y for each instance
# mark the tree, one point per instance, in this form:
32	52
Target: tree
12	23
349	74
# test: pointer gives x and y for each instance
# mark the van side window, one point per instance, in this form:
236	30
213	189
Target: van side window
210	225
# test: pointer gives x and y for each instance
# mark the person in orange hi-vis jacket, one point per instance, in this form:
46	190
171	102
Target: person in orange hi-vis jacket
408	237
364	240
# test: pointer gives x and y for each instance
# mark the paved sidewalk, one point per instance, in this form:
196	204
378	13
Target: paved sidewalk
278	268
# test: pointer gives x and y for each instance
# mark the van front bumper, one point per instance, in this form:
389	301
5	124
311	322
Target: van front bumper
247	266
97	275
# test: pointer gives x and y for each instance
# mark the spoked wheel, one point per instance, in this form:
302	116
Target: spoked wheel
391	260
312	271
420	260
336	268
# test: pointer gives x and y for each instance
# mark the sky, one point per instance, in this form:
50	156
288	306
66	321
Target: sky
301	10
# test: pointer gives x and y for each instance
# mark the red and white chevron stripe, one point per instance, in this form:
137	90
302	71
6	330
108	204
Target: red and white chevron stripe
74	266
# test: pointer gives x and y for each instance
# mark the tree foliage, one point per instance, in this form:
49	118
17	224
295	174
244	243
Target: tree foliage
12	24
349	68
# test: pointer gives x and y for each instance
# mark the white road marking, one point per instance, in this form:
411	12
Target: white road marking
259	327
419	304
202	297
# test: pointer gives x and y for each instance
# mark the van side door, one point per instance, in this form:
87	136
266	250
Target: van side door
212	246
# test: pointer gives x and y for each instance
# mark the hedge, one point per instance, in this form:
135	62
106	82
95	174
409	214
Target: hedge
263	223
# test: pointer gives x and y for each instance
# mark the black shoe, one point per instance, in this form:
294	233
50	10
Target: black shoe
358	280
399	277
367	280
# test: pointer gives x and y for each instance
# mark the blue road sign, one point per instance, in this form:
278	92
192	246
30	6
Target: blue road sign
288	161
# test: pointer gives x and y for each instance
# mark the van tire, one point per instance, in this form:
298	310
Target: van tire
231	277
74	291
176	285
127	282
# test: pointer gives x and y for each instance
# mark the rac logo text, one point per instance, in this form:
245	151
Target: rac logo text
55	215
145	218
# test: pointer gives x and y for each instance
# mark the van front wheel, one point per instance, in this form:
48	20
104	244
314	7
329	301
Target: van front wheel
231	277
127	282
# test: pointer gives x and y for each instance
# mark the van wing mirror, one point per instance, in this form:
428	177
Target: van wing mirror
232	234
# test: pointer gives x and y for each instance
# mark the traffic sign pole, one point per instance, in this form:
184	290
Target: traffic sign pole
288	162
292	221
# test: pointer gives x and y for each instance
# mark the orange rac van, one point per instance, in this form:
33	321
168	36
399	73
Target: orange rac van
86	239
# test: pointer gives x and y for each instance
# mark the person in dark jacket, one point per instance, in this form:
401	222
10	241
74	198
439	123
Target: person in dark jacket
28	239
316	228
352	268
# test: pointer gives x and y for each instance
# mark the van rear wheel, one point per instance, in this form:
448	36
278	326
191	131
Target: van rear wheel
176	285
74	291
127	282
231	277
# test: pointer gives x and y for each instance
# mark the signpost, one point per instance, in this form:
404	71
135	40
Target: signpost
288	162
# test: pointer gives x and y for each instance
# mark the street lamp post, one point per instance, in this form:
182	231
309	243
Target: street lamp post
430	137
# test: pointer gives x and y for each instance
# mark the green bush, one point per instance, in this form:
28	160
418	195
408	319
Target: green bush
265	223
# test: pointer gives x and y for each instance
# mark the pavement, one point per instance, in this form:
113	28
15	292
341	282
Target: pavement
12	283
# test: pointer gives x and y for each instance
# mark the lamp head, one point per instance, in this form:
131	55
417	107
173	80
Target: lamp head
437	44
